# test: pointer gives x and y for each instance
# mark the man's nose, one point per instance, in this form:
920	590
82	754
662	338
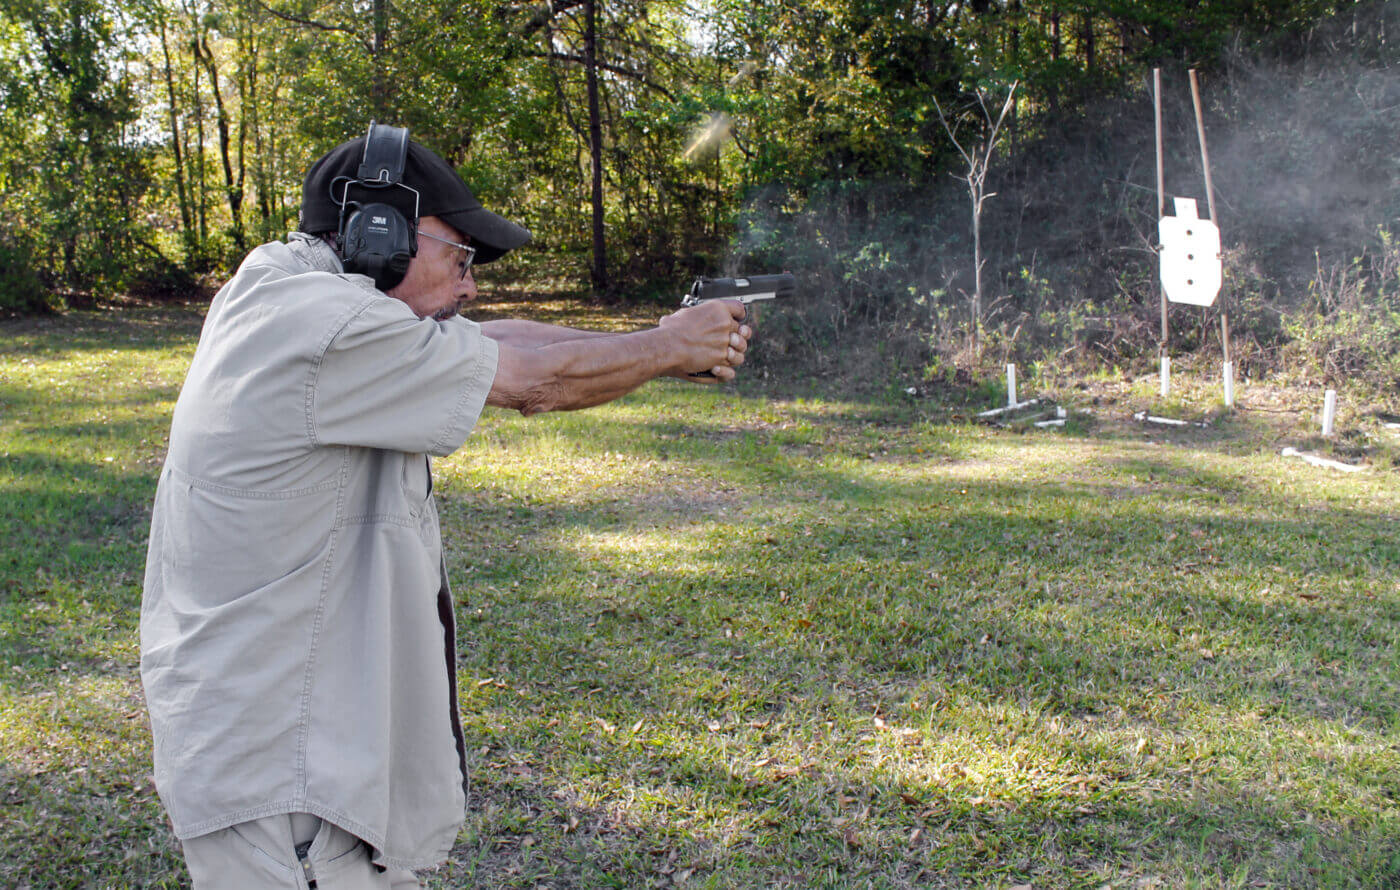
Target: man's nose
467	291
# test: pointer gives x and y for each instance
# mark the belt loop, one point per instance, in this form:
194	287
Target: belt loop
302	850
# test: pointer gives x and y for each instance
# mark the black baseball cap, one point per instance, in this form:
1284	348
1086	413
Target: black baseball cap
441	193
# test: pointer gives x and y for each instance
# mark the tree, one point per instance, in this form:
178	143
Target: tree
978	161
74	175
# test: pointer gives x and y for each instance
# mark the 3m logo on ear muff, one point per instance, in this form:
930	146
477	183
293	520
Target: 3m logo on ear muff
375	238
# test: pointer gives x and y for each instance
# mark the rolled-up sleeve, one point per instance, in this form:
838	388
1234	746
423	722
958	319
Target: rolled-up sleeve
388	379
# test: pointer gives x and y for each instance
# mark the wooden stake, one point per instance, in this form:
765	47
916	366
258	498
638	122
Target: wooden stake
1201	134
1210	202
1161	194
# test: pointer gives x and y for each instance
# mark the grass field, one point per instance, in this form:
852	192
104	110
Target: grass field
712	638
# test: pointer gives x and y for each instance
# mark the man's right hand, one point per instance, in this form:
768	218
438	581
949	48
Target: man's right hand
710	339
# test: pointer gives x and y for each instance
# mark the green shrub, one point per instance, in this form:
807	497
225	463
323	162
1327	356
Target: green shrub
1352	333
21	290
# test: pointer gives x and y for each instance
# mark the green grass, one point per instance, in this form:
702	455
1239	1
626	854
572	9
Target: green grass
715	639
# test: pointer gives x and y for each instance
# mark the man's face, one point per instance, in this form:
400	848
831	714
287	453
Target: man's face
434	285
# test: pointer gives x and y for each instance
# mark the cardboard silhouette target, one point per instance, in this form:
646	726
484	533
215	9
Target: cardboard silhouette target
1191	268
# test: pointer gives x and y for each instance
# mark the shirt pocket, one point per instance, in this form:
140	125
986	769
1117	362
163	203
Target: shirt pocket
222	544
417	483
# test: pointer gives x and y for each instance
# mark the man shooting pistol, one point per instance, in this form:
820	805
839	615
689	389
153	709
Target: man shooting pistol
298	631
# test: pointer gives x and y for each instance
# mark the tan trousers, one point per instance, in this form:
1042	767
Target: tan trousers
264	855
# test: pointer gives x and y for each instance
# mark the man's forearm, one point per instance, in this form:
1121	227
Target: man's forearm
579	372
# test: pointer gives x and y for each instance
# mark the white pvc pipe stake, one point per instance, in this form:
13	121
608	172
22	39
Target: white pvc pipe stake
1060	419
1144	417
1329	411
1010	385
1229	384
993	412
1166	375
1323	461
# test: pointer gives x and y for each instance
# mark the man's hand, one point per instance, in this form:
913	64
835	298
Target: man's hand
710	339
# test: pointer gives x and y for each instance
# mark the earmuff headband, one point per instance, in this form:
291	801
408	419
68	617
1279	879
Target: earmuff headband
375	239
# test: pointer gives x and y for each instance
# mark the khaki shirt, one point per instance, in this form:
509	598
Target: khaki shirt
297	638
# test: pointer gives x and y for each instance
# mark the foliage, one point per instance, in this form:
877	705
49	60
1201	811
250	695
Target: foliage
1352	333
70	173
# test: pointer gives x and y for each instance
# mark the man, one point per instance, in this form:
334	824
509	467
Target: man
297	636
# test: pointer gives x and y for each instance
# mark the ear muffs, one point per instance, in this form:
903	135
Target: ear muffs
376	239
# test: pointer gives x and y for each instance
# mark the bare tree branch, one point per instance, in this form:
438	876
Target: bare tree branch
579	60
315	25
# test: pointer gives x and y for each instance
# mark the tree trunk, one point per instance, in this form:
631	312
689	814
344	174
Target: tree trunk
186	212
595	144
1086	41
379	88
199	157
233	188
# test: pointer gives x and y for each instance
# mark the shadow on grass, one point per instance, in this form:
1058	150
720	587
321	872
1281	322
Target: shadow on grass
960	591
27	397
98	826
58	338
71	569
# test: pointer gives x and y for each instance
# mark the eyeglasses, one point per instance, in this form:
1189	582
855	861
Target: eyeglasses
468	252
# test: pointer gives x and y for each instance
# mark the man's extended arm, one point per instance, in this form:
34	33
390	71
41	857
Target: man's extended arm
582	371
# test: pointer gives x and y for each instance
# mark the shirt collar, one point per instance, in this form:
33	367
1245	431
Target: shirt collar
315	252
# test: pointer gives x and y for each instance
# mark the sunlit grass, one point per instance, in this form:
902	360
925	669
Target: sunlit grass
710	638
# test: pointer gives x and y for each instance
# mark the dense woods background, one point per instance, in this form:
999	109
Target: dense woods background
145	145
